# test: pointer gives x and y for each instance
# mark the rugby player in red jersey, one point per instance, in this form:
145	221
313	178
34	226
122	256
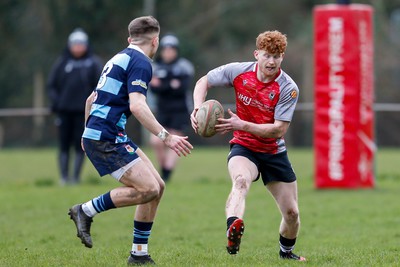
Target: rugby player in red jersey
266	98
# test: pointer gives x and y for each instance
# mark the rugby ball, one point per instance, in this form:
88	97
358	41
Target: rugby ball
207	117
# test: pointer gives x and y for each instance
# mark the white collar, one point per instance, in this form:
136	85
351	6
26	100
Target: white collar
138	49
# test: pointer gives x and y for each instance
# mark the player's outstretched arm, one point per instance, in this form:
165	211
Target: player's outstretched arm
143	114
199	95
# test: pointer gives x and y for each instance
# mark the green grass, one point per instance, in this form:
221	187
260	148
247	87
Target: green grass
339	227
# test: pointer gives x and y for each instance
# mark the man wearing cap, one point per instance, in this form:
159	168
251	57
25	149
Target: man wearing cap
72	78
172	77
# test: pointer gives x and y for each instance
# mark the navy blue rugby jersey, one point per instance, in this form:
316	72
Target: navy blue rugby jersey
127	72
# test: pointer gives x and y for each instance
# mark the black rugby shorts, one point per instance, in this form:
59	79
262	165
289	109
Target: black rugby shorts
271	167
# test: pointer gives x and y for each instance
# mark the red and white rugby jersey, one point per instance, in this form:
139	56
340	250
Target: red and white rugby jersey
257	102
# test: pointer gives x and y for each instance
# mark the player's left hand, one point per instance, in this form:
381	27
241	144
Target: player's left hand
179	144
231	124
193	120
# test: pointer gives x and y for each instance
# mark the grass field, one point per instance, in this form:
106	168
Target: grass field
339	227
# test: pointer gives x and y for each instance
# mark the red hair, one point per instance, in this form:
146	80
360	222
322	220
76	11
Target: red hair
273	42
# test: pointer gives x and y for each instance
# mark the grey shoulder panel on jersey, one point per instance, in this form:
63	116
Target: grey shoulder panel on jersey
225	74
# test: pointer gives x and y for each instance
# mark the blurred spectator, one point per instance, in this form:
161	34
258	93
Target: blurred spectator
172	78
72	79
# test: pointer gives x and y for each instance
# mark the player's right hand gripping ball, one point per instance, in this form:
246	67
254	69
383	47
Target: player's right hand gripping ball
207	117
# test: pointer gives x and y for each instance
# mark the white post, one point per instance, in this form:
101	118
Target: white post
38	102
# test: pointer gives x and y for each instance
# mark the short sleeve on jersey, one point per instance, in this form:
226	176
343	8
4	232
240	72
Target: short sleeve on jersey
287	102
138	80
224	75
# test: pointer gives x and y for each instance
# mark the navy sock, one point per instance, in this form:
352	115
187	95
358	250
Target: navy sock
103	203
141	232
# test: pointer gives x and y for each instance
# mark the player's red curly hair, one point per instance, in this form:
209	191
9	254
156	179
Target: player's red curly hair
273	42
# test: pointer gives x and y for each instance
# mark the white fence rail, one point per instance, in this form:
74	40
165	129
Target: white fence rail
39	114
305	106
18	112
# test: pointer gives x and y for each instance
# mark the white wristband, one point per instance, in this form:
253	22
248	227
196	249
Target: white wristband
163	134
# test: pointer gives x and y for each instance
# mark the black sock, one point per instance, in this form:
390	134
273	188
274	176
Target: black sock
165	174
230	220
286	244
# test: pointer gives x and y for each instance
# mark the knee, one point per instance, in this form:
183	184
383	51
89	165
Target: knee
241	183
161	186
144	194
292	216
153	191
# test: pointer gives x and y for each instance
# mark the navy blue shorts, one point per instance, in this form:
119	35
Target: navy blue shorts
272	167
108	157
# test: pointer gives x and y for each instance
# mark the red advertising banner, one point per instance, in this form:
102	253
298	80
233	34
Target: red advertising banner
344	95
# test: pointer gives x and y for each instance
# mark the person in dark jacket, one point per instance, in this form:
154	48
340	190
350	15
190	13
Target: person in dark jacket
73	77
172	78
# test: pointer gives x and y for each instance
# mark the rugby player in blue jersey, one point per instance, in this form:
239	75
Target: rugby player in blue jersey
121	91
